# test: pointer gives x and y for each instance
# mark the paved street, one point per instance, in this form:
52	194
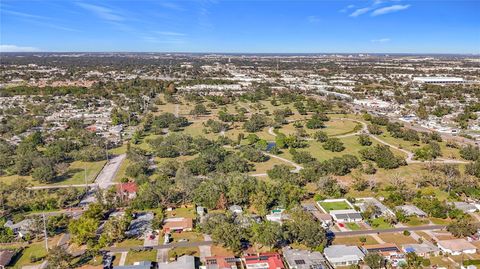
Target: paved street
104	179
171	245
392	230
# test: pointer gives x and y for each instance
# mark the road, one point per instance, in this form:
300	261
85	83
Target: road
171	245
392	230
104	179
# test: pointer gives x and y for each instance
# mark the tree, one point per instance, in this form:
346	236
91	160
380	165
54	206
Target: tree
470	152
333	144
364	140
316	122
114	230
199	109
45	173
330	187
59	258
374	260
267	233
302	228
462	227
413	260
83	230
320	136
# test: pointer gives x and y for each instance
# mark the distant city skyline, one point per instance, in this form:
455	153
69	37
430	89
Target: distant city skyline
378	26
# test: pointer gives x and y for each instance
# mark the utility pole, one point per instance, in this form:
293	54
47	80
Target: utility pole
45	231
85	174
106	149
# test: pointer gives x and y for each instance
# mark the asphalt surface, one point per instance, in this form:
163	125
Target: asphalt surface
104	179
167	246
392	230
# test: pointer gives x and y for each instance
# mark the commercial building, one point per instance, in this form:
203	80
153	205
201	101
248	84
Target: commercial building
439	80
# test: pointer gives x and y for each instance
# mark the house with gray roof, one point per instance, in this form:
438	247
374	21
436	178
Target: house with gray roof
183	262
136	265
411	210
304	259
140	225
342	255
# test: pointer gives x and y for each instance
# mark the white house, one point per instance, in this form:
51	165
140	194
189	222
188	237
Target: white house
457	246
342	255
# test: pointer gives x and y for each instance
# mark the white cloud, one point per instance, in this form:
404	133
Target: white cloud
313	19
102	12
360	11
169	33
15	48
381	40
389	9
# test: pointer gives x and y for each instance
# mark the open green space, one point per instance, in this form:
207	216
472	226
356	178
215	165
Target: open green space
329	206
380	223
137	256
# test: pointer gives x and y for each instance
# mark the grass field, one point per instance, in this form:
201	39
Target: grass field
354	241
75	174
180	251
397	238
138	256
329	206
190	236
380	223
130	243
263	167
353	226
415	221
185	212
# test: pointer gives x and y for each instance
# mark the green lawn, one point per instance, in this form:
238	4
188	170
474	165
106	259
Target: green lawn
181	251
129	243
138	256
380	223
353	226
329	206
415	221
75	174
185	212
35	249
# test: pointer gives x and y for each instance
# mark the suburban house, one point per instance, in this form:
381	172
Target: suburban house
223	262
235	209
457	246
127	191
20	229
341	210
304	259
411	210
342	255
346	215
183	262
465	207
324	218
424	250
140	225
264	261
177	225
137	265
201	211
277	215
6	257
389	251
364	203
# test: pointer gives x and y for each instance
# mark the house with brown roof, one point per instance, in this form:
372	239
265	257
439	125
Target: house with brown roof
223	262
457	246
127	191
6	257
177	225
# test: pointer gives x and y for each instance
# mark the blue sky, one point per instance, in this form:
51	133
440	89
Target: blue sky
268	26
